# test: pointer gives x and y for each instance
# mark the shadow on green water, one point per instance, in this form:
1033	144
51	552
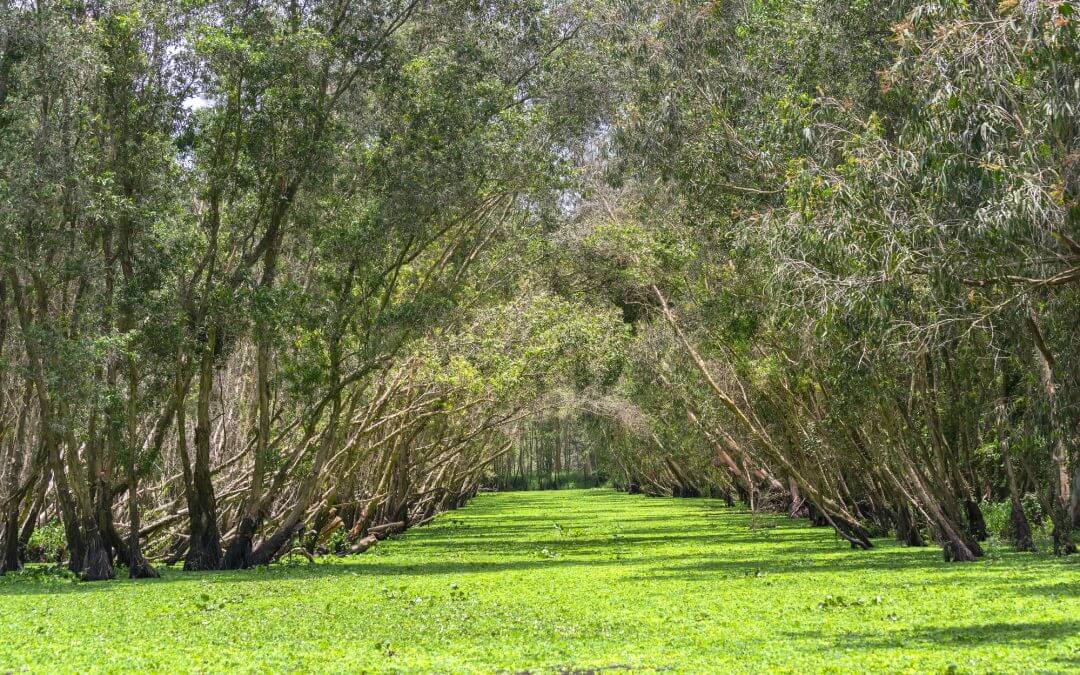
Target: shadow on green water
934	637
479	540
372	567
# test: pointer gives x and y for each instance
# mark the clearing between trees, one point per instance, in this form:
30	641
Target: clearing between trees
568	581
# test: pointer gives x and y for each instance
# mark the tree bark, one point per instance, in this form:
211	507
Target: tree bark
138	566
10	558
268	549
1020	529
239	554
1059	469
907	530
204	538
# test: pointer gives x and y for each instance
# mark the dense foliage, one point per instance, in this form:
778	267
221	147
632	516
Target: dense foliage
299	274
846	236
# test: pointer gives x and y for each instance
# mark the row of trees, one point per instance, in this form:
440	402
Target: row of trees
847	237
249	253
306	272
556	448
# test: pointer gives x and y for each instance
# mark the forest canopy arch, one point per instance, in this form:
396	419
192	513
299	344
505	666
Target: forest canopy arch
287	275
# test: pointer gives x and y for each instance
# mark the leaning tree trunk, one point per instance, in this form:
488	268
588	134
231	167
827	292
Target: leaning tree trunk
292	523
65	502
975	521
846	527
37	503
239	555
955	543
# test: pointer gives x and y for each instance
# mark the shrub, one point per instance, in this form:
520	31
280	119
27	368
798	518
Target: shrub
47	543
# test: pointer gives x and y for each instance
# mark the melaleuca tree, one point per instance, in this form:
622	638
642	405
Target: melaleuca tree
234	222
859	247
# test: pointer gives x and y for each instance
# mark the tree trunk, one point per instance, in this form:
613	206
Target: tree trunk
975	521
96	563
10	558
1059	470
956	546
292	524
1020	530
30	521
138	566
1074	504
66	505
239	555
204	541
907	530
10	561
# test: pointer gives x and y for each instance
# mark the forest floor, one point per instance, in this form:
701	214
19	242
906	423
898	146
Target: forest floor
573	581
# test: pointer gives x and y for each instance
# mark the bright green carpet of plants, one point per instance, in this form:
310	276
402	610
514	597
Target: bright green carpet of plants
568	581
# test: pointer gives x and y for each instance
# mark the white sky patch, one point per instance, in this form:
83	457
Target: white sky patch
194	103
